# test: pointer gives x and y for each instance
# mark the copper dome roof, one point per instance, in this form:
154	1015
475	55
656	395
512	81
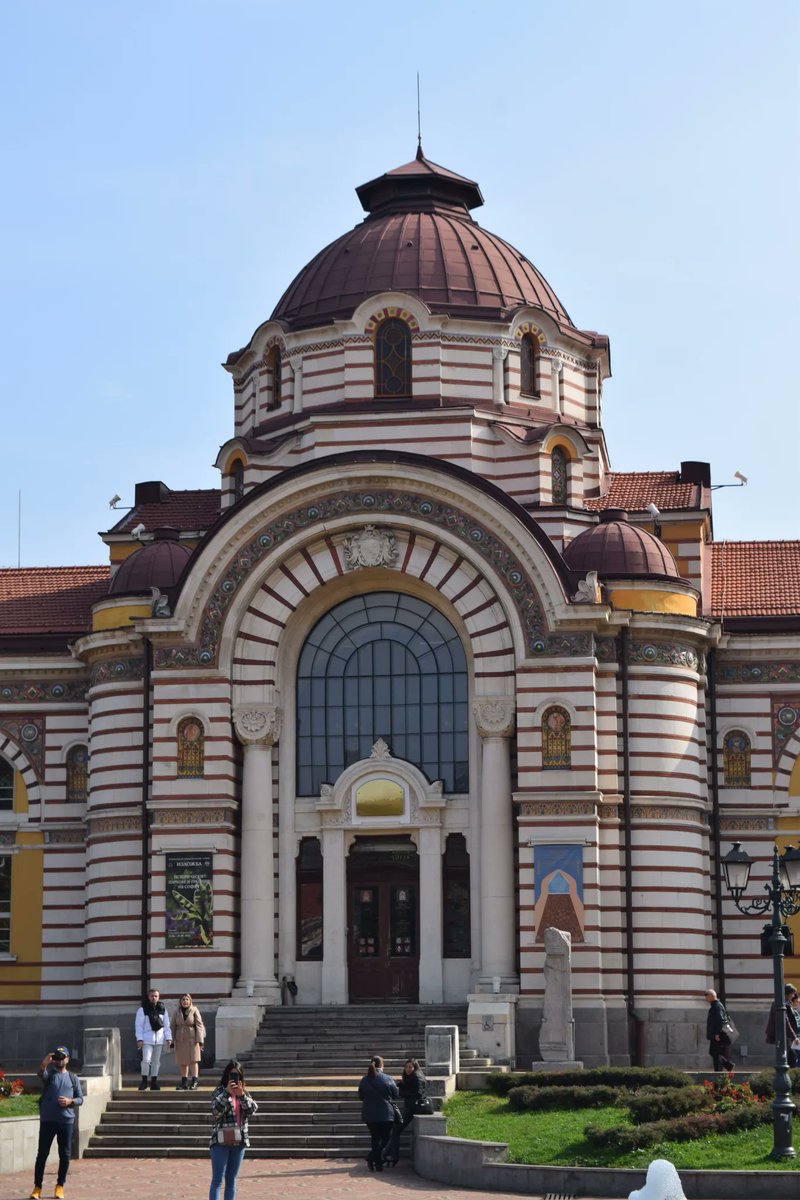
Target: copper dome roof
158	564
419	237
615	548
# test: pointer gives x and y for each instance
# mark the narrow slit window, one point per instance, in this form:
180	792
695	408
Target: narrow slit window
393	359
191	748
556	739
736	759
559	476
77	775
527	355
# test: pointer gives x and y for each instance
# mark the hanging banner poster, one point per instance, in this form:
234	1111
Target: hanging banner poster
190	901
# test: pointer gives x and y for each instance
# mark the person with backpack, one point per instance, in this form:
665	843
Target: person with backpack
718	1039
61	1095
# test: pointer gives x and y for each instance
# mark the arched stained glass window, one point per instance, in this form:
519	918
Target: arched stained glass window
393	359
527	364
6	784
276	383
736	759
556	739
77	774
237	480
191	748
386	666
559	476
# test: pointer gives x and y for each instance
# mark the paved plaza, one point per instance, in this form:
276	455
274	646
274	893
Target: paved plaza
260	1179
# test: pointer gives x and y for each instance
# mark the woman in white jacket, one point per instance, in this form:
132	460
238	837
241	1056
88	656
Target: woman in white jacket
152	1034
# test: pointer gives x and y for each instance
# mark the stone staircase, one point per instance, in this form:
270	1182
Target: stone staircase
303	1070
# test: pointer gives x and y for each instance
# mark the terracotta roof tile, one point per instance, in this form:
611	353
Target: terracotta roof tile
755	579
190	511
634	490
49	599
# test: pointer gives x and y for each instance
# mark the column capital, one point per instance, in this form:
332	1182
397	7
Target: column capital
494	716
258	726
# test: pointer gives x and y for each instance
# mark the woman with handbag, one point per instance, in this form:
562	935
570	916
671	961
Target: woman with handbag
188	1036
231	1107
377	1093
413	1096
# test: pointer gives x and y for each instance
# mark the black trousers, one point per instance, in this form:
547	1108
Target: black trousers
380	1132
62	1130
719	1053
393	1146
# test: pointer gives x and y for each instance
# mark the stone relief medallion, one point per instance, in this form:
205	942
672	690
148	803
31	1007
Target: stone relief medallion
370	547
258	725
494	716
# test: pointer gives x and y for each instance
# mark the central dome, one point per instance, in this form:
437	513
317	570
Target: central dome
419	237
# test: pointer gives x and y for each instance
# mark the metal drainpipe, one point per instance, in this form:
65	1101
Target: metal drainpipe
148	666
716	852
634	1046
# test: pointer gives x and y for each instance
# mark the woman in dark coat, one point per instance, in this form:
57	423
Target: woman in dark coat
718	1042
378	1093
413	1096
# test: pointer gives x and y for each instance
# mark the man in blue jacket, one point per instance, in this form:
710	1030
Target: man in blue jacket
61	1094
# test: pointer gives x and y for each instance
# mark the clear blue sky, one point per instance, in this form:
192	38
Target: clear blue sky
170	166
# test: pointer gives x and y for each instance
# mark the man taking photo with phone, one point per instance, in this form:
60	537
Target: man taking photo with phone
61	1095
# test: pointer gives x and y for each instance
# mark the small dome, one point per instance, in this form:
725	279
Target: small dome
419	237
158	565
616	549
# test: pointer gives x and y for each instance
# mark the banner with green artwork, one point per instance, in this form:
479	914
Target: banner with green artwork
190	901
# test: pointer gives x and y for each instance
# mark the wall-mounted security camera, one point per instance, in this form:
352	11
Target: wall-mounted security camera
655	513
137	531
114	501
742	478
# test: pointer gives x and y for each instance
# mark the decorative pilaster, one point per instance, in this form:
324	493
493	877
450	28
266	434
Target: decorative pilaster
499	356
494	717
258	729
297	396
334	907
431	981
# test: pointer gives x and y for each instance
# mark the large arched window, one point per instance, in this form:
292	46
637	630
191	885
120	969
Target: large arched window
527	365
382	666
393	359
6	784
559	476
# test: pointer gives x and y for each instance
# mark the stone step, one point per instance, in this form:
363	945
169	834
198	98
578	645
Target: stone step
202	1152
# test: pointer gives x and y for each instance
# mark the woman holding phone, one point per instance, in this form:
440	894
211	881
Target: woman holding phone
231	1107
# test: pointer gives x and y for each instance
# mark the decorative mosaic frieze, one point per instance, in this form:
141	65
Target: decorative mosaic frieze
29	736
584	364
66	837
388	312
785	719
758	672
667	654
366	503
745	824
127	824
464	339
116	670
7	837
557	808
38	691
666	812
191	816
605	650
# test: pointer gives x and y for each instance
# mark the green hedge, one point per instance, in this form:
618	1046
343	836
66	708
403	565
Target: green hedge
625	1138
632	1078
763	1082
667	1102
565	1097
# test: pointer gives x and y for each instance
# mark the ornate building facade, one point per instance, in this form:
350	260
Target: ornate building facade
421	679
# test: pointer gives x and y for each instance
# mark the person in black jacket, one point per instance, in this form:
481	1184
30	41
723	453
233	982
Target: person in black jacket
378	1093
718	1041
413	1096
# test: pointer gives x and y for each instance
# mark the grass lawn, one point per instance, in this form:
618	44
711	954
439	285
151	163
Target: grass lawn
19	1106
555	1138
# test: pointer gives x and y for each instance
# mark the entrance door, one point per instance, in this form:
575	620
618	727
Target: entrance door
383	938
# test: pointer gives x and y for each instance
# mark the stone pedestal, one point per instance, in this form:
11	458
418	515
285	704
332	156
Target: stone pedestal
491	1025
441	1050
238	1019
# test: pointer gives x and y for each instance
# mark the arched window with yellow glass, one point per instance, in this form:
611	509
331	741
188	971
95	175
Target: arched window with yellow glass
77	774
191	748
393	359
736	759
556	739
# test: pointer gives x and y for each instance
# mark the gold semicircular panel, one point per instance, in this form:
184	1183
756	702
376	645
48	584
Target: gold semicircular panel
380	798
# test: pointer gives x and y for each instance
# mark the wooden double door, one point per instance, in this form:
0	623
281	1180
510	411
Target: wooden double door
383	928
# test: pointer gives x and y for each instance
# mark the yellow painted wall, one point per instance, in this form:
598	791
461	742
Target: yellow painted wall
653	600
20	794
794	778
21	980
118	615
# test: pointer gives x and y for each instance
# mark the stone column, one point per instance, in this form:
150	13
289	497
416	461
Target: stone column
499	355
431	986
258	730
334	917
494	717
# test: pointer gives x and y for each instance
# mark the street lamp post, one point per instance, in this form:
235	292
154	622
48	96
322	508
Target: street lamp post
783	897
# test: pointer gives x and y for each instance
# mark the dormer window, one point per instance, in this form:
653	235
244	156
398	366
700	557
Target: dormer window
276	370
393	359
527	362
